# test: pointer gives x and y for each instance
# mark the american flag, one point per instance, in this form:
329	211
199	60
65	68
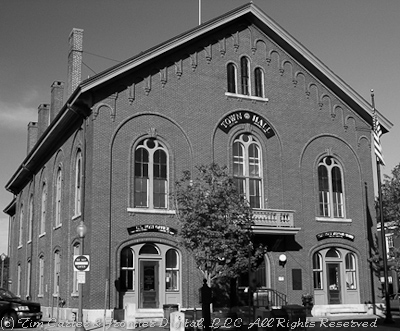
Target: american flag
377	134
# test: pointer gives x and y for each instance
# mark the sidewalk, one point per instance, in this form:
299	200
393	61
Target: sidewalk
331	323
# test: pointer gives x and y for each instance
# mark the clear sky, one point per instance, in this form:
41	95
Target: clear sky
357	39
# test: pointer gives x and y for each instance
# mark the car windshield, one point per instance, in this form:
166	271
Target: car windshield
5	294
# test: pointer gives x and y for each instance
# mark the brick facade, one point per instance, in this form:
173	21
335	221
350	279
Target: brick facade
179	98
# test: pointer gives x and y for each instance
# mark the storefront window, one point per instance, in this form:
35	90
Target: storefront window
317	271
127	275
350	272
172	270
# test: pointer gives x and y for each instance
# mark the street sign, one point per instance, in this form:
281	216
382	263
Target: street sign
81	263
81	277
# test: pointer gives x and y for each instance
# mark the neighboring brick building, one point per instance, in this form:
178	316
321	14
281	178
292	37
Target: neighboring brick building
238	91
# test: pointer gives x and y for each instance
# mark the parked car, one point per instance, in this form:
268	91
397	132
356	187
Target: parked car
15	311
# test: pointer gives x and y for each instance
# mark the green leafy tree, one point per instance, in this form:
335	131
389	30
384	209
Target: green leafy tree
391	208
215	223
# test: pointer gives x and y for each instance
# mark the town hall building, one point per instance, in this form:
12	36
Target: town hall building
237	91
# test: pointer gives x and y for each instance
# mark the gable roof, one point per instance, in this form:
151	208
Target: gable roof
78	105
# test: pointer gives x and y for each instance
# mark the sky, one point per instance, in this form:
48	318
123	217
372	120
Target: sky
357	39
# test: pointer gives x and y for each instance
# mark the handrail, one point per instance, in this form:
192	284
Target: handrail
269	298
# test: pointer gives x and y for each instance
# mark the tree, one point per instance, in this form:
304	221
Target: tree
391	208
215	223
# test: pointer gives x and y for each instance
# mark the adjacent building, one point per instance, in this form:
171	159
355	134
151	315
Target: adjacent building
238	91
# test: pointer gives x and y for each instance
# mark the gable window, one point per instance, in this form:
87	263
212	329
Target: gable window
330	187
58	198
150	175
245	76
43	210
232	76
78	184
247	168
259	82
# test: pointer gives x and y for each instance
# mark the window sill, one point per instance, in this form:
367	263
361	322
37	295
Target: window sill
151	211
333	220
40	296
75	217
75	294
29	241
19	246
245	97
57	227
42	234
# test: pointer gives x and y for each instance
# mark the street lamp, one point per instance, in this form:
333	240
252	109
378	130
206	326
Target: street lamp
3	257
81	230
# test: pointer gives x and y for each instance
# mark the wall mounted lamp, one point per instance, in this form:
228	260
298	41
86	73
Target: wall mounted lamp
282	260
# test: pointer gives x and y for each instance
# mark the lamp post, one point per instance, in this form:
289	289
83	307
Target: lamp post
3	257
81	230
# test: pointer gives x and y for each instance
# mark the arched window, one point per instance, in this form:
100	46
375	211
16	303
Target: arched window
245	77
58	197
149	249
30	220
247	168
43	210
57	270
172	270
150	175
127	273
28	278
19	279
350	264
41	276
317	271
21	225
78	183
259	82
330	187
333	252
75	286
232	77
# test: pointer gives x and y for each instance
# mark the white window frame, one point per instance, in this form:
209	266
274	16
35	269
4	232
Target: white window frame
20	226
28	278
78	184
173	270
75	285
58	197
19	280
41	276
43	211
56	273
30	219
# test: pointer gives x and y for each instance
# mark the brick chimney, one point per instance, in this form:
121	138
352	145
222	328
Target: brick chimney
32	135
57	98
43	118
74	59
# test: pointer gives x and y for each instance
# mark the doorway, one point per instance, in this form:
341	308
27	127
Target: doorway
149	284
333	281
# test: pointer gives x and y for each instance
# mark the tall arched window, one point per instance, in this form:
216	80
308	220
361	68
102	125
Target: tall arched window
232	77
350	264
247	168
150	174
30	220
57	270
21	225
172	270
330	187
78	183
41	276
245	76
43	211
317	271
75	285
58	197
259	82
127	272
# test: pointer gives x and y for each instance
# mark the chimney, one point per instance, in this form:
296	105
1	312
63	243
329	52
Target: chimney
74	59
57	97
32	135
43	118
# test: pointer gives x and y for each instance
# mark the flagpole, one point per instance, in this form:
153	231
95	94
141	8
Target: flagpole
388	317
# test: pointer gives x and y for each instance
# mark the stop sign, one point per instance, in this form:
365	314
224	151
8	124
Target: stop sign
81	262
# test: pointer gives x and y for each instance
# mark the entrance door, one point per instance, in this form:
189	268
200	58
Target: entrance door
333	274
149	284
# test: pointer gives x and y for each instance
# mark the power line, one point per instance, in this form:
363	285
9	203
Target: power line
103	57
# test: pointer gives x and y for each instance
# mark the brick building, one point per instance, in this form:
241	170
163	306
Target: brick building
238	91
